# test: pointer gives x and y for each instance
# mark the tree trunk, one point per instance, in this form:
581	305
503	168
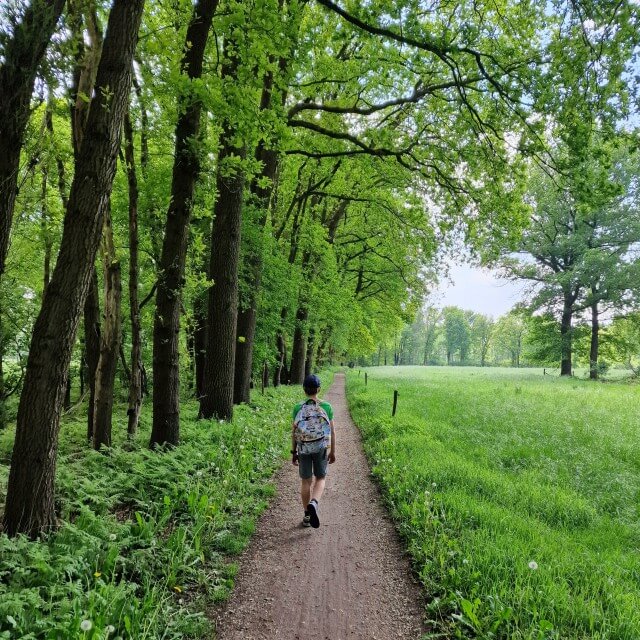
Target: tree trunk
46	232
21	55
200	341
280	374
261	190
30	495
299	347
92	345
3	406
87	60
217	398
110	340
186	170
309	363
82	367
566	336
246	329
135	383
595	342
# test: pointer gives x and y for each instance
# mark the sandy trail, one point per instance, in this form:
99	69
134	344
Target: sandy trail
348	579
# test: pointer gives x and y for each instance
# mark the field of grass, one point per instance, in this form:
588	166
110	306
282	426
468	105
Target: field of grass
147	539
517	495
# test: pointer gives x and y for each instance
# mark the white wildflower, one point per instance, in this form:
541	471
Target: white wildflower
112	536
533	565
86	625
111	629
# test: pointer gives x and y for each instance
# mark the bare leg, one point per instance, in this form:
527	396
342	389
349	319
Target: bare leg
305	492
318	488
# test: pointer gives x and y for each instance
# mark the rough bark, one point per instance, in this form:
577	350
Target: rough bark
595	342
186	169
30	496
109	339
222	317
22	56
135	383
217	397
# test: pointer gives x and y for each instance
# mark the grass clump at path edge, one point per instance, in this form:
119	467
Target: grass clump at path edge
517	496
145	537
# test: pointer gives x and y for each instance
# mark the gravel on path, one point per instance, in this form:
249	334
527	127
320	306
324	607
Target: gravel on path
349	579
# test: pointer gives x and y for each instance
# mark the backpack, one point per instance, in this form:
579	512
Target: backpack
312	428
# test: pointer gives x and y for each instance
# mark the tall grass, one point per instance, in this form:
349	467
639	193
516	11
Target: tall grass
517	495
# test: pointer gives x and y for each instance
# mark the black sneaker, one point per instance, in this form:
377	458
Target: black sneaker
312	509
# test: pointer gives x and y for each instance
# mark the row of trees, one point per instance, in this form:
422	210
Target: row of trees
455	336
272	180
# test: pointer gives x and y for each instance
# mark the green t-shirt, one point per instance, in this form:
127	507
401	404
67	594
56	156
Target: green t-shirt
325	405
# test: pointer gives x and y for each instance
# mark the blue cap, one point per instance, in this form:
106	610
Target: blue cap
311	382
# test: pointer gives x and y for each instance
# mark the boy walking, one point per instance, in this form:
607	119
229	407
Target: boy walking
313	445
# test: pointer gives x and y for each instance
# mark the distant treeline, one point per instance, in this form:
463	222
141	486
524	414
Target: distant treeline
455	336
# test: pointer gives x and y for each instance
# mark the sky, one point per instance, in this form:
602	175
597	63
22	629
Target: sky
478	290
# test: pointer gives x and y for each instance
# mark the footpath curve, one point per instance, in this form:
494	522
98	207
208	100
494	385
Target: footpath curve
347	580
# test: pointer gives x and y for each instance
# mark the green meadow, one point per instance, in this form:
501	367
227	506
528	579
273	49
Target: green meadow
517	495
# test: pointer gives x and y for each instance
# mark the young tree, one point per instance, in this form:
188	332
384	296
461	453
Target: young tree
135	384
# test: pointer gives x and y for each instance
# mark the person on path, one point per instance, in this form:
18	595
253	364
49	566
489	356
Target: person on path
313	445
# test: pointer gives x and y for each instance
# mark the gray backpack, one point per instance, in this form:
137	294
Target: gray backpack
312	428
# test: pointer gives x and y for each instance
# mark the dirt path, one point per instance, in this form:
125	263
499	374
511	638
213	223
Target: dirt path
348	579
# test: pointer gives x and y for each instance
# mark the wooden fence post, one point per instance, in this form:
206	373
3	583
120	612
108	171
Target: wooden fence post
395	402
365	378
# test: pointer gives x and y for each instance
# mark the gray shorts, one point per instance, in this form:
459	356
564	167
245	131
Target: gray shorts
313	461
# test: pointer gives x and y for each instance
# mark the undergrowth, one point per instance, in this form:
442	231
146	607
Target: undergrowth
146	537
